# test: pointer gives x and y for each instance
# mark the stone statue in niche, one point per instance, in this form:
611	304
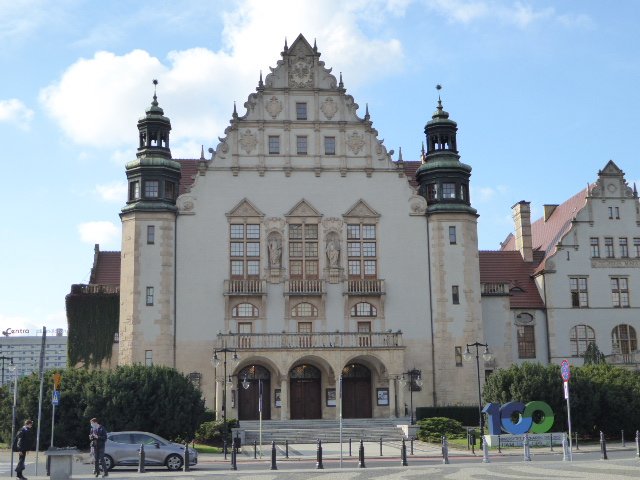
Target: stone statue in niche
333	252
275	252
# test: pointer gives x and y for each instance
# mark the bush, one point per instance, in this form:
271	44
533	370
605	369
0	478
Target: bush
212	433
439	426
465	415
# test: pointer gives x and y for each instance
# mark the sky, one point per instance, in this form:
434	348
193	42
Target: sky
545	93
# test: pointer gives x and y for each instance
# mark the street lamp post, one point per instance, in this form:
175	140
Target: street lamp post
3	358
216	363
13	368
486	356
411	378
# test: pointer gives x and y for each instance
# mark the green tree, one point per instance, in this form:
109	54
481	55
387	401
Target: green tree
593	355
155	399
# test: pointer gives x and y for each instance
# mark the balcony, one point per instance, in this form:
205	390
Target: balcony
304	287
360	286
629	360
495	289
94	289
278	341
245	287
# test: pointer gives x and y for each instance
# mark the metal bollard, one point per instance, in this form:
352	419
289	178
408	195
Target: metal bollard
224	447
551	441
319	465
255	449
485	452
286	449
380	446
412	439
638	443
603	447
234	456
349	446
499	447
577	447
273	456
361	455
622	436
403	454
525	444
186	466
445	450
141	459
565	456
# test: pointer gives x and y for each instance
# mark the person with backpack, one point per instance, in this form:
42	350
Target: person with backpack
98	438
22	444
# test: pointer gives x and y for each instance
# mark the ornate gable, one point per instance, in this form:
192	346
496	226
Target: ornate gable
361	210
611	183
245	209
303	209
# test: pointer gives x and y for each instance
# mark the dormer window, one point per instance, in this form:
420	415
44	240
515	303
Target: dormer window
169	190
448	190
134	190
151	189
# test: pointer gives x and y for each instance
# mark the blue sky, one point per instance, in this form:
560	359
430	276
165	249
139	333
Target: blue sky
544	93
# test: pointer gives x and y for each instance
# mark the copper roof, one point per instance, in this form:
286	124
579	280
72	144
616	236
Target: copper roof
509	267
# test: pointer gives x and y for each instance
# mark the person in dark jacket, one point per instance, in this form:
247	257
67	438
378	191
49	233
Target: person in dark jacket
22	444
98	437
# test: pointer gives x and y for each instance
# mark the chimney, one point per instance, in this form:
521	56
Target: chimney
548	210
522	220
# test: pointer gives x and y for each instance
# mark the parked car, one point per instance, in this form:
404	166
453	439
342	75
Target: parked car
122	449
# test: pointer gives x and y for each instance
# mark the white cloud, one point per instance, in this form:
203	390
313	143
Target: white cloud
197	86
104	233
485	194
18	323
16	112
113	192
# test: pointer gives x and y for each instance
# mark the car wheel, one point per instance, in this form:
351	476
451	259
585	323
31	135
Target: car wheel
109	463
174	462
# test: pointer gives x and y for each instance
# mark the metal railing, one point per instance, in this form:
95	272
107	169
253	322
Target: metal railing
310	340
632	358
494	289
94	289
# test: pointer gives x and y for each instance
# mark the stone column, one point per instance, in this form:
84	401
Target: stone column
401	398
392	397
284	398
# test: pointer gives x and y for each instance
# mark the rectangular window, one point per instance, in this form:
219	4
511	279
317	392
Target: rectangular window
455	295
624	247
432	192
244	250
610	212
151	189
620	292
148	358
617	213
458	353
149	296
452	235
636	246
595	247
448	190
361	250
579	292
608	247
301	110
329	145
301	144
526	341
169	190
274	145
364	334
151	234
303	251
134	190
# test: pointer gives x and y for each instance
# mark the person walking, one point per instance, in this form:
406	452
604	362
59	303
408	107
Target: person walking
22	444
98	438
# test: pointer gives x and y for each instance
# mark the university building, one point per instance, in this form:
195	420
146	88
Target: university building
332	271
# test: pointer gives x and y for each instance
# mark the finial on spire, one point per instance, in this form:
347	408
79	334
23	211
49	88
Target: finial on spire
341	85
286	47
635	190
315	46
400	154
366	113
260	82
155	97
201	152
423	154
235	112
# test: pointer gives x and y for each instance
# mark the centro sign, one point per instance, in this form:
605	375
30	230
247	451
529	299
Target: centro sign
10	331
500	418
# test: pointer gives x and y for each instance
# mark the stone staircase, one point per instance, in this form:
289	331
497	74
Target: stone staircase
310	431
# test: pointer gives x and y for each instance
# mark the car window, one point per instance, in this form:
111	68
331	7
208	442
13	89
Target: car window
120	438
139	438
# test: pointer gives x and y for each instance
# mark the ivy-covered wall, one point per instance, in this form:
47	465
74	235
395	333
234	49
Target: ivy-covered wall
92	317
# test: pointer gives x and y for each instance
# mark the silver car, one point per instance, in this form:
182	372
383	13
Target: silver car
122	449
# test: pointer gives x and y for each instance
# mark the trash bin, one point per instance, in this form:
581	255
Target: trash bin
236	443
61	462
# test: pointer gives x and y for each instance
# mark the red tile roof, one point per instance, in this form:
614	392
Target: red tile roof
545	235
189	171
410	169
106	268
509	267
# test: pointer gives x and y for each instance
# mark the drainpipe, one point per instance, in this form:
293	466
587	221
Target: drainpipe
175	287
433	352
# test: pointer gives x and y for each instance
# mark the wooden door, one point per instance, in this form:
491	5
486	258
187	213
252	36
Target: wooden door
305	392
249	398
356	392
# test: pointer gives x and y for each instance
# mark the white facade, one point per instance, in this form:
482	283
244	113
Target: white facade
24	352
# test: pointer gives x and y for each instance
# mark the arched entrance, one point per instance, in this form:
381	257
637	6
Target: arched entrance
356	391
255	378
305	392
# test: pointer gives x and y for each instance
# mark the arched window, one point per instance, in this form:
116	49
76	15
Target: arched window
244	310
623	339
304	310
581	336
363	309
